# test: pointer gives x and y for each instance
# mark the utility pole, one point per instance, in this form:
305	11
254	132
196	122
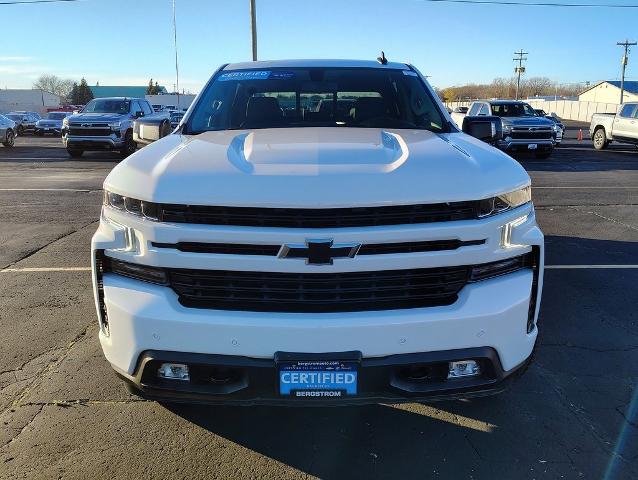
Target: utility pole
520	69
623	62
176	64
253	28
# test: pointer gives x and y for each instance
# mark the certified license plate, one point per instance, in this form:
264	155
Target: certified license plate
318	378
532	146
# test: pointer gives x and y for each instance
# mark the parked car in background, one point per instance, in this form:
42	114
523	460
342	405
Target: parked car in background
457	115
104	124
523	130
620	127
35	115
52	123
25	122
559	127
295	256
7	131
176	117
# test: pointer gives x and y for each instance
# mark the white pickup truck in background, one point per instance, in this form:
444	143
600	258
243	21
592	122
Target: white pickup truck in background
620	127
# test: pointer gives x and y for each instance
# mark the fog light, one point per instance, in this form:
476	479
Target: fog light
463	368
173	371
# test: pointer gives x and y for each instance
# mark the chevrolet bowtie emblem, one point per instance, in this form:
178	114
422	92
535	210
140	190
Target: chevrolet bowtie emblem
319	252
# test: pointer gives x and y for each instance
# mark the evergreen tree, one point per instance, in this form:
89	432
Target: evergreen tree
74	94
84	93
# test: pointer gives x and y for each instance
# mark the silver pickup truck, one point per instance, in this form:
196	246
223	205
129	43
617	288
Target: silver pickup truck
620	127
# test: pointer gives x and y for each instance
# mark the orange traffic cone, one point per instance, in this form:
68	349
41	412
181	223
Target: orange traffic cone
580	134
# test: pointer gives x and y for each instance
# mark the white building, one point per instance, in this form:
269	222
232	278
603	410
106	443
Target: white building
185	100
608	91
29	100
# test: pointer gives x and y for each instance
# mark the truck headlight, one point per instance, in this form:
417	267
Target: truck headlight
505	201
115	125
507	129
140	208
556	128
65	122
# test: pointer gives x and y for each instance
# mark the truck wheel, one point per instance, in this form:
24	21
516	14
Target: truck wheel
74	153
600	139
129	145
20	130
9	139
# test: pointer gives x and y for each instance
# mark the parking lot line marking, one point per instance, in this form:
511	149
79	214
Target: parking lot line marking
582	267
47	190
46	269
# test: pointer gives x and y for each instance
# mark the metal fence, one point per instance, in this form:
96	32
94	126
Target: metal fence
565	109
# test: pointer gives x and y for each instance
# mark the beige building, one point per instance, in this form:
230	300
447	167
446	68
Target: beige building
609	92
27	99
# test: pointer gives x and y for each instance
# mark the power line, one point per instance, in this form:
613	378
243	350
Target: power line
536	4
26	2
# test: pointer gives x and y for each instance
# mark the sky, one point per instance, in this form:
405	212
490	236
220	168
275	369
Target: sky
126	42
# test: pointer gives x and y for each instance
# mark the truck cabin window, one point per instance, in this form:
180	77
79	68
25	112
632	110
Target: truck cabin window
316	97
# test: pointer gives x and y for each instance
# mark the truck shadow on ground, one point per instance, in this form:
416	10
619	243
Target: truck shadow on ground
560	420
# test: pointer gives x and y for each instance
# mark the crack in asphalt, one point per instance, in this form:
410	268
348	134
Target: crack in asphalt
578	414
36	250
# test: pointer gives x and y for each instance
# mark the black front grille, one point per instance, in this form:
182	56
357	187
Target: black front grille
533	135
273	250
318	292
90	132
320	218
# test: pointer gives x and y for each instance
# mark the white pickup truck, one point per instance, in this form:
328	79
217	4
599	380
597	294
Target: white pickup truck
318	231
620	127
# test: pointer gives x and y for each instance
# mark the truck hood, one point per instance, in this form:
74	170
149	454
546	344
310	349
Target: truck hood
97	117
316	167
527	121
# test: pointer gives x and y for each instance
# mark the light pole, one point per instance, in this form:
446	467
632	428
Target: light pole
626	44
520	69
176	64
253	28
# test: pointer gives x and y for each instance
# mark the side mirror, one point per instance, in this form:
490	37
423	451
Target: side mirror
486	128
139	114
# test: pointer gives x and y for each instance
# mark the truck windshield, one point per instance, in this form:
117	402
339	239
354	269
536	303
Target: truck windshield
513	110
56	115
315	97
107	106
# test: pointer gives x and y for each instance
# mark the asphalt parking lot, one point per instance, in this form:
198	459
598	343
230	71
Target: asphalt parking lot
573	415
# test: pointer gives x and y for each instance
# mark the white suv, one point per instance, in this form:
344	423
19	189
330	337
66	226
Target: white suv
317	231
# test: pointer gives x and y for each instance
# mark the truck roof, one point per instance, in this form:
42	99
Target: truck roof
314	63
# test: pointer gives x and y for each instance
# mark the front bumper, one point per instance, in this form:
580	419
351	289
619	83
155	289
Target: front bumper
147	321
111	142
252	381
518	145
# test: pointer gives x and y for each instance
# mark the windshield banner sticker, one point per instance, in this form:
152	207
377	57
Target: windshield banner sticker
255	75
245	75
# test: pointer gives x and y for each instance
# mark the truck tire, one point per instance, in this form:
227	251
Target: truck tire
600	139
9	140
74	153
129	145
20	130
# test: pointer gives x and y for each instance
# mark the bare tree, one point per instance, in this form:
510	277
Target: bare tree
55	85
535	86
